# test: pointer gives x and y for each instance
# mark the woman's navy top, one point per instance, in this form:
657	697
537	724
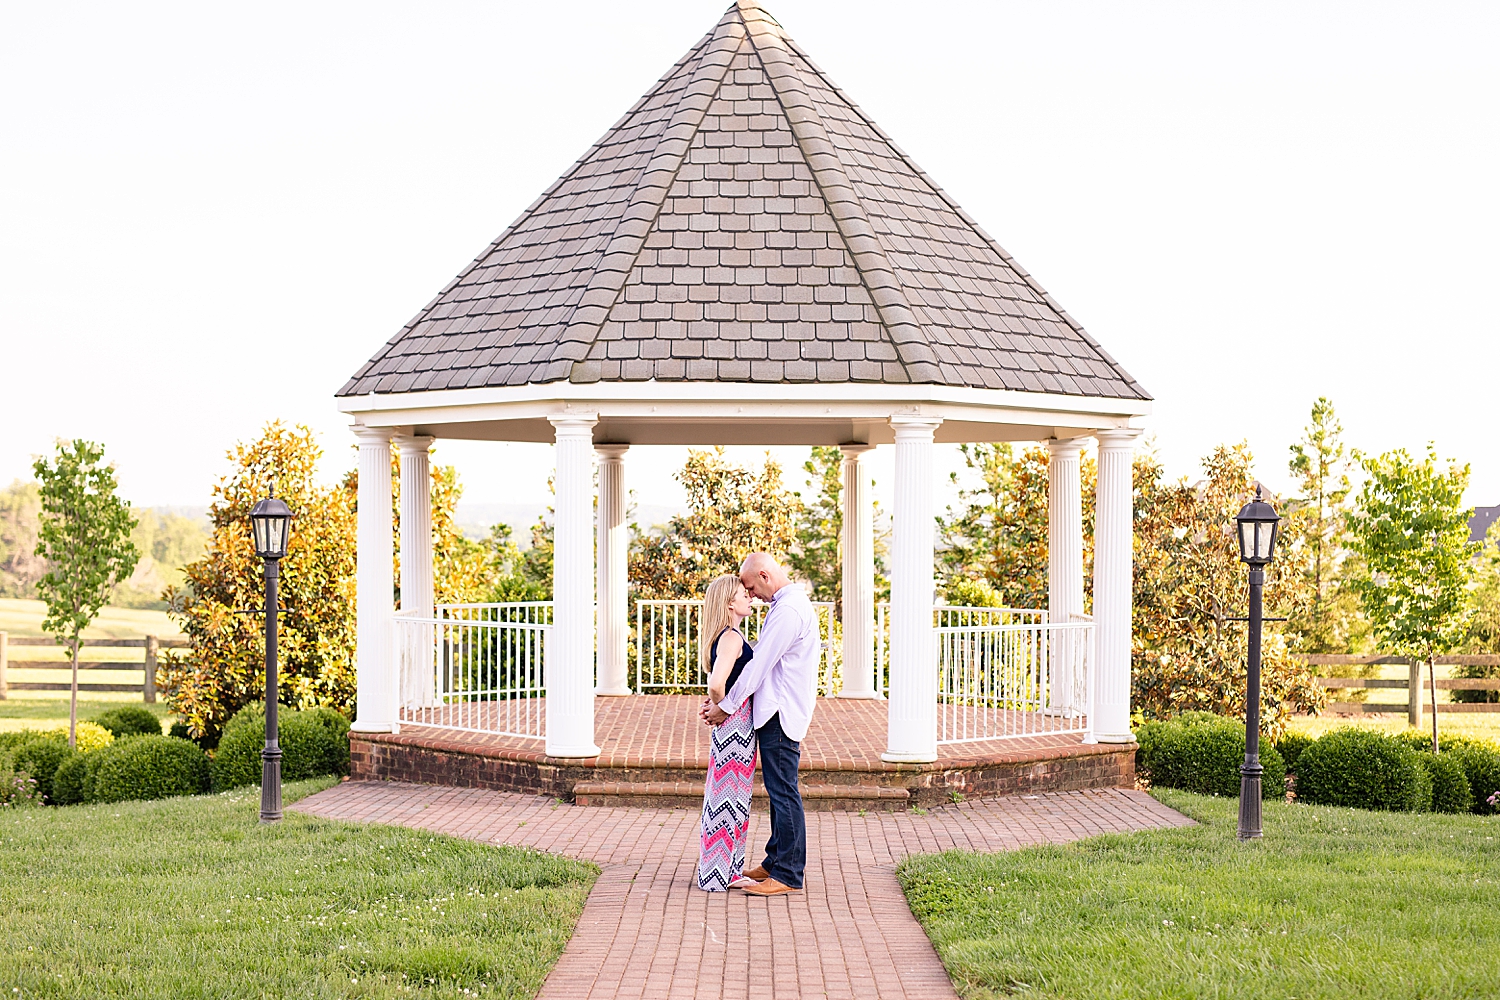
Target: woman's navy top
739	663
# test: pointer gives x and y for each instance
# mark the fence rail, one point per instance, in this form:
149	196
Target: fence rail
147	665
1412	683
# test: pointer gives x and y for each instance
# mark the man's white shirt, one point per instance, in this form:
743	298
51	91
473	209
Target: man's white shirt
783	672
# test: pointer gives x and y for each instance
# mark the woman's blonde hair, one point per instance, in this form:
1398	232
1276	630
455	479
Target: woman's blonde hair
716	616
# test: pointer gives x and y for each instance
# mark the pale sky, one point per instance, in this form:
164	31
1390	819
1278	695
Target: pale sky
212	214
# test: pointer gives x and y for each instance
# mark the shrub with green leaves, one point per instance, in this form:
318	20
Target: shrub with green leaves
1363	769
1450	786
1290	746
17	788
1202	752
308	748
150	767
40	757
1481	763
129	720
72	778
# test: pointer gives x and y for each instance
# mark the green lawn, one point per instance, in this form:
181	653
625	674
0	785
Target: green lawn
24	618
1334	903
189	898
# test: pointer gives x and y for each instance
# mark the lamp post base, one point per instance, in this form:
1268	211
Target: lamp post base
1250	828
270	785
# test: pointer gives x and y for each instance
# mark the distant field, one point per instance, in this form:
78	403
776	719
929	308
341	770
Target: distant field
24	618
1481	725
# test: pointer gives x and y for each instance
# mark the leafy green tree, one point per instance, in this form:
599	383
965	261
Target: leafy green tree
1483	634
1331	622
20	523
167	541
85	538
1189	649
998	534
817	556
732	511
1412	529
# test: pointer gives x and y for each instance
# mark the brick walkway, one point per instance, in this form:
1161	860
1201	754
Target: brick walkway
647	932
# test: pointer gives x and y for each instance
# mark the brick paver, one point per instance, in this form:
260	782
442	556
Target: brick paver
647	932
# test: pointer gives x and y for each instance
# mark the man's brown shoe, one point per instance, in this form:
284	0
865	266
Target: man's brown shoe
758	873
770	887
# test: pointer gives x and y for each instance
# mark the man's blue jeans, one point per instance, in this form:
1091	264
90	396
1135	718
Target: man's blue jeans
786	851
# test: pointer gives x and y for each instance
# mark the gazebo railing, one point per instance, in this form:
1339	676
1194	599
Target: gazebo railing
666	639
474	668
1006	680
945	616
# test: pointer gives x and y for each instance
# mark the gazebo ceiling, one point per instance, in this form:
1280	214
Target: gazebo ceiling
743	223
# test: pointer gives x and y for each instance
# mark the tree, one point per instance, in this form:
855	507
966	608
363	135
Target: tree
224	665
20	523
1412	529
1189	648
731	513
817	556
1331	622
85	538
999	534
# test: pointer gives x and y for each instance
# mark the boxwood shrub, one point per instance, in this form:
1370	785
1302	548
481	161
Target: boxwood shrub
129	720
72	778
1201	752
150	767
309	747
1363	769
1481	763
1450	786
40	757
1290	746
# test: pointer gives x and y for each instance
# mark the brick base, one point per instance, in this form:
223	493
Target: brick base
435	760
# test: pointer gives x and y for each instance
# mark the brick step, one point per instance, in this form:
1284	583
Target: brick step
689	795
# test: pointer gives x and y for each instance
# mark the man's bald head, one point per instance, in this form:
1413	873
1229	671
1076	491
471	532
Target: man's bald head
762	575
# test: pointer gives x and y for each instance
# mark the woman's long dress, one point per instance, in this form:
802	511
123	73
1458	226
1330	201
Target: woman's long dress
726	796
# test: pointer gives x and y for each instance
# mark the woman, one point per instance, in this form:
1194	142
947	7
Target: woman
726	797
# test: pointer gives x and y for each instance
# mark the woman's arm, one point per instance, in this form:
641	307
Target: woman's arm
728	651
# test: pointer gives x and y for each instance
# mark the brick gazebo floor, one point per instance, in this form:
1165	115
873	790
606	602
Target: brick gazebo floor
654	751
647	931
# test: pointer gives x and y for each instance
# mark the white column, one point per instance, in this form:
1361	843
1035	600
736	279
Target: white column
375	586
1064	567
1109	722
858	565
612	546
911	713
570	643
414	650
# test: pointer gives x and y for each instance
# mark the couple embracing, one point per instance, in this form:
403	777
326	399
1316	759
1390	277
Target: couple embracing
760	701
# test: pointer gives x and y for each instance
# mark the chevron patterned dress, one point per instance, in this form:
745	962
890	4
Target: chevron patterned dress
726	795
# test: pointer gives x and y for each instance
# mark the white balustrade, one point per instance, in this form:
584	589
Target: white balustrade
475	668
997	680
666	646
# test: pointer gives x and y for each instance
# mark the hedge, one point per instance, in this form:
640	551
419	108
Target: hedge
41	757
1290	746
149	767
129	720
1450	786
1201	752
1363	769
17	788
313	743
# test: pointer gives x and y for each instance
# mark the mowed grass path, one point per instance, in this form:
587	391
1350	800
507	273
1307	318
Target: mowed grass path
192	897
1333	903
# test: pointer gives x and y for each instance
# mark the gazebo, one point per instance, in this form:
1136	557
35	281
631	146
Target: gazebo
745	258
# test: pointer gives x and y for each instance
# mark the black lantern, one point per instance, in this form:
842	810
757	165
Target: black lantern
271	524
1256	524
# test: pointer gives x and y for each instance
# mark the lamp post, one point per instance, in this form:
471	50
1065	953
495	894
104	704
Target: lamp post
270	524
1256	524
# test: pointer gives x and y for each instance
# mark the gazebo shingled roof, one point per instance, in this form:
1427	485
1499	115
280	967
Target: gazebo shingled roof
745	222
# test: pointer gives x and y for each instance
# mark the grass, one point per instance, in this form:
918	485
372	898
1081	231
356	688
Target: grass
192	898
48	709
24	618
1333	903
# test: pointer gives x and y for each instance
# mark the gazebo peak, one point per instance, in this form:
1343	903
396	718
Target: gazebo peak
745	222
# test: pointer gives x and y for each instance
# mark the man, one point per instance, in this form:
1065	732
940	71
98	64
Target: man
783	678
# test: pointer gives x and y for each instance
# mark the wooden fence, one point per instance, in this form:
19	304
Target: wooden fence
147	688
1415	687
